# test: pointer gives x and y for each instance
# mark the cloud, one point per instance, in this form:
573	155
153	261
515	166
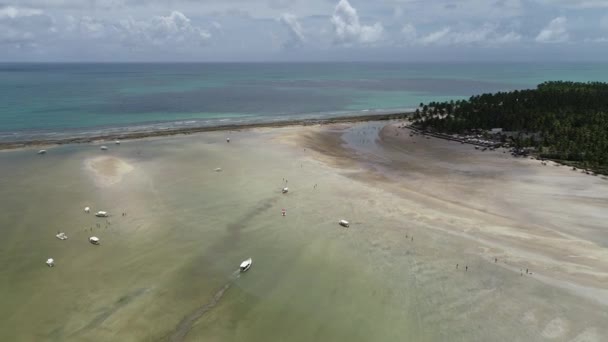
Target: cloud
16	12
576	3
554	32
175	28
596	40
294	29
509	37
434	37
20	27
347	28
409	33
604	22
86	26
485	35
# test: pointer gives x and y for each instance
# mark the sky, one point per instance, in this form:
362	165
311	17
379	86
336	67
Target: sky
303	30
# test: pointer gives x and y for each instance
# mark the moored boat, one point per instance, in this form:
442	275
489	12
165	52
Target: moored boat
246	265
101	214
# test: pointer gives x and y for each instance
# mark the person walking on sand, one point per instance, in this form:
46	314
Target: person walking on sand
456	266
466	268
495	260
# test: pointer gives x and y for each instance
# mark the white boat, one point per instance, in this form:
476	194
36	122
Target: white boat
50	262
245	265
285	190
104	148
101	214
42	152
87	210
61	236
117	142
344	223
94	240
219	169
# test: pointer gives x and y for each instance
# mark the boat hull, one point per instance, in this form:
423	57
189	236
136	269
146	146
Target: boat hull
246	265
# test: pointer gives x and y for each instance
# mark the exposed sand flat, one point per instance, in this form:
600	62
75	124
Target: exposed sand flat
107	170
547	220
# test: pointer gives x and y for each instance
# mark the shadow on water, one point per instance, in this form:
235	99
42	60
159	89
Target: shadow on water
234	229
106	313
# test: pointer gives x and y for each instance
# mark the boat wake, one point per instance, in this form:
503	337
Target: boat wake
185	325
107	312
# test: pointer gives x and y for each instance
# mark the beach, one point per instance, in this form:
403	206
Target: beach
445	242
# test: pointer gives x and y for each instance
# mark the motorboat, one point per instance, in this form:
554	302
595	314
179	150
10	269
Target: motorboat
94	240
50	262
104	148
285	190
87	210
61	236
246	265
344	223
101	214
42	152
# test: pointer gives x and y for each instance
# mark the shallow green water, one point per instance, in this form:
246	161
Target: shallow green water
187	228
167	271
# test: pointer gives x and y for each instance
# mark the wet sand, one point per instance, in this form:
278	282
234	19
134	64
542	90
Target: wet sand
417	207
544	224
107	170
100	137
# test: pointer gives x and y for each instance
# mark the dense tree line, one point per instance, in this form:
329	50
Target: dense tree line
563	120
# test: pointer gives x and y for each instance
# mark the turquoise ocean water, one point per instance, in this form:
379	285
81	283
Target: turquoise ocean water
53	100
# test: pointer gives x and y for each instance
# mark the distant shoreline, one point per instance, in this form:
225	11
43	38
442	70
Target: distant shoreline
191	130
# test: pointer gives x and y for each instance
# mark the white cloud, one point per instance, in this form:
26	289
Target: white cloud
172	29
86	26
434	37
294	29
20	27
485	35
16	12
409	33
347	28
554	32
509	37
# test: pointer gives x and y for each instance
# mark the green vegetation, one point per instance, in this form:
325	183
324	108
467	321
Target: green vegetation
564	121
